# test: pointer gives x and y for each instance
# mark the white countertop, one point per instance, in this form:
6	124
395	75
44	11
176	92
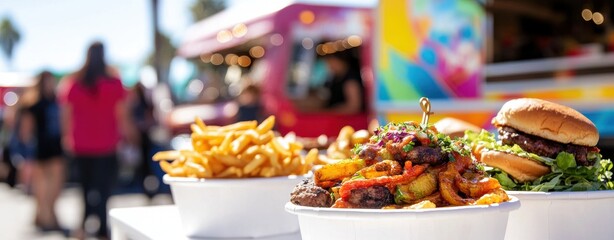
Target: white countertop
157	222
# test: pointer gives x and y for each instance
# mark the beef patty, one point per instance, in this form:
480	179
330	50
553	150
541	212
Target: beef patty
308	194
543	147
370	197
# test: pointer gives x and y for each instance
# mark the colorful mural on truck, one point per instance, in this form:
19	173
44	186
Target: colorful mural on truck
433	49
429	48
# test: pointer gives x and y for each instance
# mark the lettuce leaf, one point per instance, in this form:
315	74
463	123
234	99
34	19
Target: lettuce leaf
565	175
505	180
488	141
565	161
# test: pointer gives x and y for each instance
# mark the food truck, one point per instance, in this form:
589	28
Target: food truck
440	53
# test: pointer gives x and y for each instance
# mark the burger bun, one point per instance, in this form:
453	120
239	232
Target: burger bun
520	168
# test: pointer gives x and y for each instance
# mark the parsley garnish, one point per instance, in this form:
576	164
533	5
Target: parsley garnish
408	147
356	149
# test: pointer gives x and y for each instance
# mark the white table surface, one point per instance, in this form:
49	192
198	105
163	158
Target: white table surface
157	222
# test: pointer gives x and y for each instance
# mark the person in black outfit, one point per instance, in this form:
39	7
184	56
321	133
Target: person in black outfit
346	89
48	175
142	114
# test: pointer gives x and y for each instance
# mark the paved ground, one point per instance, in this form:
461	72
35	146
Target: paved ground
17	211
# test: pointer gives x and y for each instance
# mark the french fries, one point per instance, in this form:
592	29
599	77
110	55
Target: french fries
342	147
242	149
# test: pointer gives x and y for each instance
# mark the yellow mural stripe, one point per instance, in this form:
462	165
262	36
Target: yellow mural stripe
579	93
396	30
607	92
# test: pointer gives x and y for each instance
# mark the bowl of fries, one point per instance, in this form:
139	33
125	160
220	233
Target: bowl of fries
236	175
462	222
562	215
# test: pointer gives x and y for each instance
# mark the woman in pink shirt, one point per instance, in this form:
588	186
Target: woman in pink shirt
93	117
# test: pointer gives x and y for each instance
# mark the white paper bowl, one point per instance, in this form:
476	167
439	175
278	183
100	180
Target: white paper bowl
468	222
562	215
234	208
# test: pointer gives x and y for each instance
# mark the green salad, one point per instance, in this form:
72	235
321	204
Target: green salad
565	174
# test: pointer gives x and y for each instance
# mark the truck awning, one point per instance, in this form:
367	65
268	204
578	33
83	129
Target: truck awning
231	27
244	22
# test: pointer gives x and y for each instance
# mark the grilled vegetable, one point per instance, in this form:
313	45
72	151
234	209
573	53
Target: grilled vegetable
337	171
424	185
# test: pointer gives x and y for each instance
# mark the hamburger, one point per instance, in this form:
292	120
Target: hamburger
543	146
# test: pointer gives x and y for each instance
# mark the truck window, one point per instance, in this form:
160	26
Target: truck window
318	76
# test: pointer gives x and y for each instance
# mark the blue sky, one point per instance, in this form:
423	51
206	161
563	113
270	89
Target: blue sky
55	34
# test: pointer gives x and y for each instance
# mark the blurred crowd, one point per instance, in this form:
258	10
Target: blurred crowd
85	129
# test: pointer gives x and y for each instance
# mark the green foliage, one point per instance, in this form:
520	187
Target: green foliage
202	9
9	37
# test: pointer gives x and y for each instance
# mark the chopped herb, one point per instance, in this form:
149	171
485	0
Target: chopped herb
356	149
451	157
408	147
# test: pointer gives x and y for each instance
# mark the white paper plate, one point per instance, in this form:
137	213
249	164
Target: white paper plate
234	208
562	215
466	222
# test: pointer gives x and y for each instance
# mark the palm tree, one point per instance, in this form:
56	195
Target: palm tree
202	9
164	51
162	56
9	37
157	58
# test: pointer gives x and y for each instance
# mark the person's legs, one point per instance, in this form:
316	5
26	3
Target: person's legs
104	181
56	184
146	171
45	179
39	192
85	177
11	178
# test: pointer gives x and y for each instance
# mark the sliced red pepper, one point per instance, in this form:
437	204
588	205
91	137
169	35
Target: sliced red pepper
408	175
